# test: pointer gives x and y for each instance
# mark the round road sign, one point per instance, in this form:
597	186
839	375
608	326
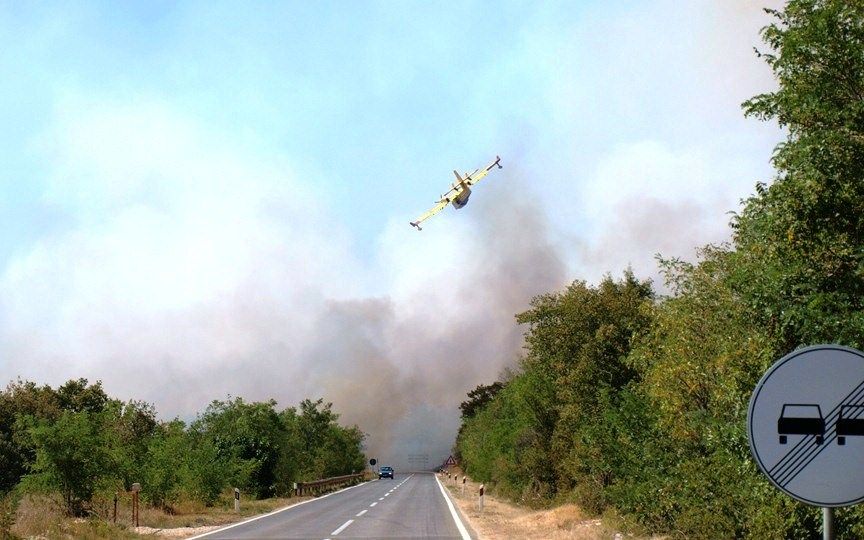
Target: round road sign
373	461
806	425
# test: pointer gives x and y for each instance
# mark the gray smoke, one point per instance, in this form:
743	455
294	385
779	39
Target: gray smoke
400	374
228	285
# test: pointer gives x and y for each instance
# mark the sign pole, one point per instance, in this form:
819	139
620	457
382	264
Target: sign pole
827	523
806	427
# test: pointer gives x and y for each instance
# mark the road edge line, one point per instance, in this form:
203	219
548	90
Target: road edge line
261	516
459	525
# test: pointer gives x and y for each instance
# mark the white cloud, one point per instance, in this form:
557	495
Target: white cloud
165	219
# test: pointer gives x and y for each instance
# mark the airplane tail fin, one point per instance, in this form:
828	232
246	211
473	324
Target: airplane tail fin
416	224
498	162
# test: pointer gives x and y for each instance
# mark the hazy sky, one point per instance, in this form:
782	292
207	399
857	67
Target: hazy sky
200	199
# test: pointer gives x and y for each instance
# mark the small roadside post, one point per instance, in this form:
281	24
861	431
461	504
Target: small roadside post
136	488
237	499
464	478
480	500
805	425
116	496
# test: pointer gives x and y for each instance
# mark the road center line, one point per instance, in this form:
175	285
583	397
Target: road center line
373	504
342	528
361	513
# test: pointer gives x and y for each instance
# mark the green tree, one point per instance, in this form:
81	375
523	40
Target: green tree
166	470
545	431
73	456
506	443
698	365
326	448
250	436
133	425
800	241
21	399
479	398
581	338
77	396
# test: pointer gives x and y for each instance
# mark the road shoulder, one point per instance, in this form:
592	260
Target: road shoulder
502	520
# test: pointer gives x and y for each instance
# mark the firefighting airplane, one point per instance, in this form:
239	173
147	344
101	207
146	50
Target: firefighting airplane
459	192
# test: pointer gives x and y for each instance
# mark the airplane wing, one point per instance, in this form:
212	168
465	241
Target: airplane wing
457	189
431	212
477	175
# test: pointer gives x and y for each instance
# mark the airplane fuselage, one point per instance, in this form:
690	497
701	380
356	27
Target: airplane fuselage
462	199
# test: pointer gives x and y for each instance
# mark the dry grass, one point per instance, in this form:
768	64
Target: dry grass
192	514
43	517
502	520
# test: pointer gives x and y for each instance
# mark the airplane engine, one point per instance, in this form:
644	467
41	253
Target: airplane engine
462	199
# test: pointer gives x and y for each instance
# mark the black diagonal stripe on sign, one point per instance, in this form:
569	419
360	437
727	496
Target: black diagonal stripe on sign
794	466
814	451
791	455
813	456
794	455
807	456
802	445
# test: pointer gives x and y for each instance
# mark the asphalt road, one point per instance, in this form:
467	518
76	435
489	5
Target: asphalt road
409	506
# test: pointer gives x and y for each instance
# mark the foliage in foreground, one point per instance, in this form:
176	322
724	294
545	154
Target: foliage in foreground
638	403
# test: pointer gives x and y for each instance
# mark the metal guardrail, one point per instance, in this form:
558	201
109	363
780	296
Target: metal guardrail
319	486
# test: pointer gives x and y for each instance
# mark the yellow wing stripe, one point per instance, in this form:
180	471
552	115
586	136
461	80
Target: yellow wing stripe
432	211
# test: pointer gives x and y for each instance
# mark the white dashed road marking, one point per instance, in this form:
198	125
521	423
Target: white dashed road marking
342	528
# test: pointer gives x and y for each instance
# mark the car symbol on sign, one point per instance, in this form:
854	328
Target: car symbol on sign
848	423
801	419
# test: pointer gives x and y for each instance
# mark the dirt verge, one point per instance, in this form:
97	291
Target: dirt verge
502	520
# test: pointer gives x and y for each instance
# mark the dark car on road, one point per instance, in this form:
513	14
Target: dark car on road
385	472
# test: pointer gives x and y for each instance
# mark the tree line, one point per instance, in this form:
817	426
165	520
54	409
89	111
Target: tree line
77	442
630	400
